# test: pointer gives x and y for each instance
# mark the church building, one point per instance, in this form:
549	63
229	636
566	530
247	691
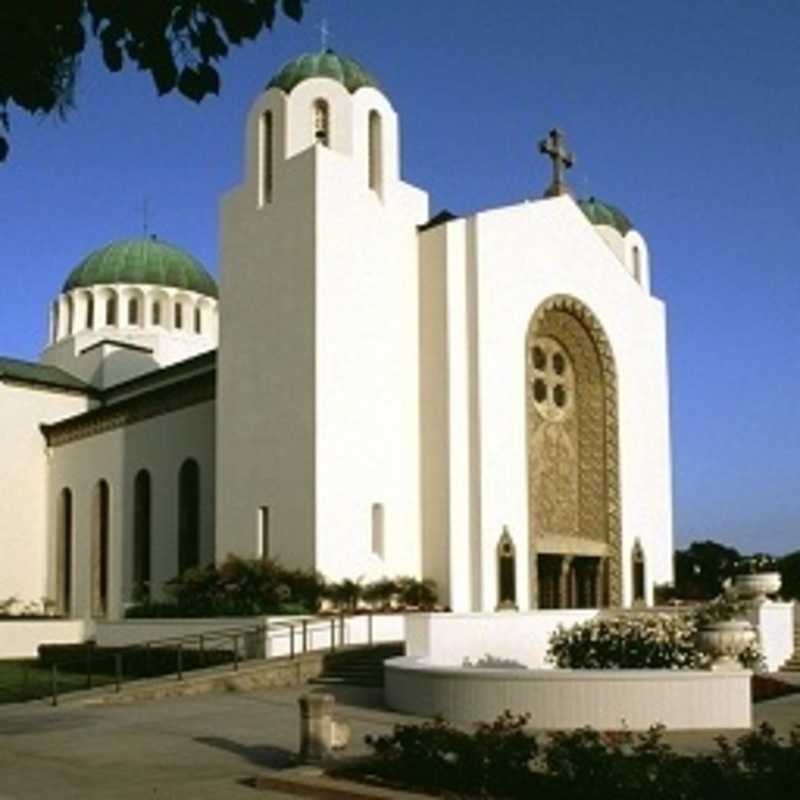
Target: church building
371	390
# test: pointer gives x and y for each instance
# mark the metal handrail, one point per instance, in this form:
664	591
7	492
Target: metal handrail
201	641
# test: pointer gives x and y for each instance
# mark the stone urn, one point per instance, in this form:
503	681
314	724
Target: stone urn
725	641
755	588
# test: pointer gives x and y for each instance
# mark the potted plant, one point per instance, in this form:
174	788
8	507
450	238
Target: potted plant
729	640
756	578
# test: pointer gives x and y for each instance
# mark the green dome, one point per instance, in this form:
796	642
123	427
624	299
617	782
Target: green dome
325	64
142	261
600	213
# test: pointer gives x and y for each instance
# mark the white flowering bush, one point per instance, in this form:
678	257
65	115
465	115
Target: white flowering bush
642	641
630	641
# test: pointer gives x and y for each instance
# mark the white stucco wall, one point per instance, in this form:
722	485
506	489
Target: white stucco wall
512	260
160	445
23	475
318	388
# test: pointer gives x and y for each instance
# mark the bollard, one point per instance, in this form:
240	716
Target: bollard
179	661
305	635
333	634
117	672
369	628
54	683
316	723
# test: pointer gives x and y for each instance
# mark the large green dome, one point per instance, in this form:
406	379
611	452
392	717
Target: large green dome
600	213
324	64
146	261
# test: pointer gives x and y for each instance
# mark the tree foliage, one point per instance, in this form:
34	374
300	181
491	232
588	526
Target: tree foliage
177	41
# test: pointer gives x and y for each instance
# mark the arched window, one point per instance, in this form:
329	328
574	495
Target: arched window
321	120
378	529
90	311
506	572
156	312
133	311
198	320
638	576
178	315
188	515
111	309
265	158
375	152
141	535
637	263
70	316
101	520
64	553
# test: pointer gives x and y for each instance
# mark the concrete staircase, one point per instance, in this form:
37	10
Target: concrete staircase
358	666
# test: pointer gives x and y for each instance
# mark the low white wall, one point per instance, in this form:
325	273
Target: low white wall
566	699
320	633
509	636
20	638
775	624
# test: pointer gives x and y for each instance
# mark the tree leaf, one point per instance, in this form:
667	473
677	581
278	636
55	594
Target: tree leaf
293	9
165	75
112	55
190	84
209	78
4	148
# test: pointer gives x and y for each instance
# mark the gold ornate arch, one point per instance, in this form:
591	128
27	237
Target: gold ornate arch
572	444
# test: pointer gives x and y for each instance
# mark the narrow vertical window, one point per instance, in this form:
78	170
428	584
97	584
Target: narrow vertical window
375	152
188	515
263	532
156	312
133	311
101	513
506	572
266	159
178	315
111	309
198	321
637	559
70	316
64	553
141	535
90	311
378	530
637	264
321	120
54	331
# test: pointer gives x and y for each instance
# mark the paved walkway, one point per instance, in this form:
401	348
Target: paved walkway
195	748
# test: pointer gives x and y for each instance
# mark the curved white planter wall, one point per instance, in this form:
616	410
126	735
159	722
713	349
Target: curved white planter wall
565	699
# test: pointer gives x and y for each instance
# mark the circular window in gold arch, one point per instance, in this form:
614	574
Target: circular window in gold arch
552	379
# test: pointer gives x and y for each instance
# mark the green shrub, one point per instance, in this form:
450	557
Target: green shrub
503	760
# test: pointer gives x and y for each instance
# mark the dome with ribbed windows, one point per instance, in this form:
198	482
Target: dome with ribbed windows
142	261
601	213
324	64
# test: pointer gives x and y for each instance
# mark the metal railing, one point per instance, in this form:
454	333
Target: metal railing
92	666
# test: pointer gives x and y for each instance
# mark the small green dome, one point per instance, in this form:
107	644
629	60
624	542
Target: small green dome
146	261
325	64
600	213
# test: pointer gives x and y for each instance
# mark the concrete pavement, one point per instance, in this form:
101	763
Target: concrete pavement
202	747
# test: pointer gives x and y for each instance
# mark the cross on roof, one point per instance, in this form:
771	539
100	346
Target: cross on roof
555	146
324	33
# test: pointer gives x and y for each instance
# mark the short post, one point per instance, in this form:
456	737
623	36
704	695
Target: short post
333	634
117	672
341	628
201	644
305	635
291	640
235	652
54	683
179	660
316	724
89	660
369	628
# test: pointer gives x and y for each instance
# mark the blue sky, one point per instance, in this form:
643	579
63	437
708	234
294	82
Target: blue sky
686	115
